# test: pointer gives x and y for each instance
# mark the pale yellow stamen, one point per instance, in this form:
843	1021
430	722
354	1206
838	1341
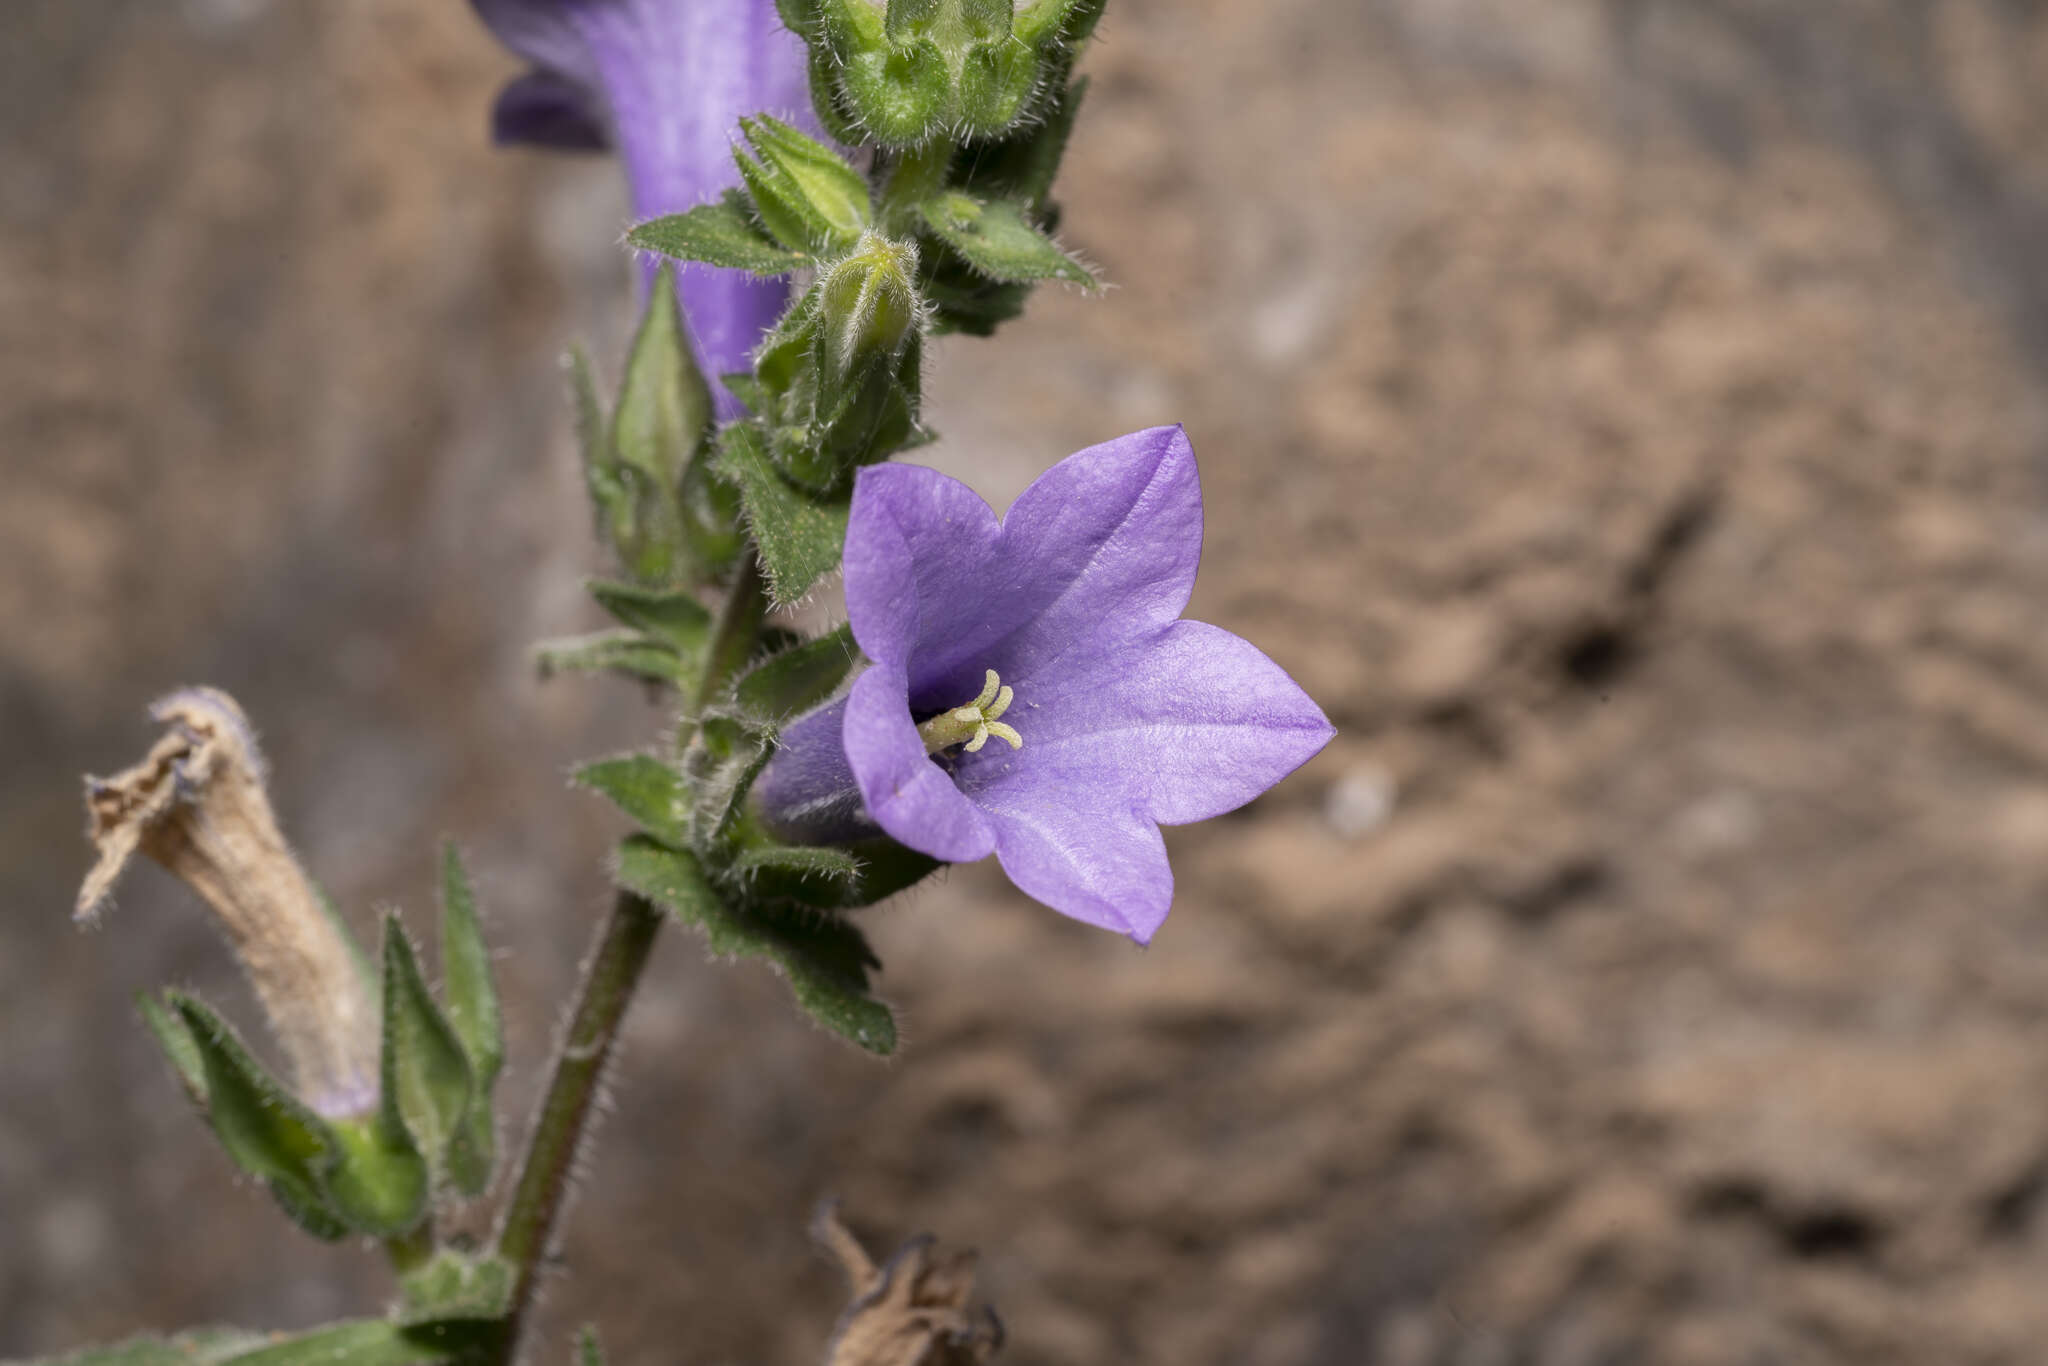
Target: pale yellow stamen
971	725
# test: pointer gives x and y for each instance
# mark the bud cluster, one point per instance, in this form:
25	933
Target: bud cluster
904	72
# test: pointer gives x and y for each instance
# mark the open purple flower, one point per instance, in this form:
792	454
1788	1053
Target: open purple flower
666	82
1034	693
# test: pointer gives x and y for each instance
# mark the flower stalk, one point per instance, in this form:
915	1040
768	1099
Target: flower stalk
527	1229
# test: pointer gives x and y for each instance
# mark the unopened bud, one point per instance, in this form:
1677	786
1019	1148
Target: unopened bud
868	306
805	193
647	465
196	804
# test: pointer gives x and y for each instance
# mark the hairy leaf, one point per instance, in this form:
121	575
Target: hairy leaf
474	1015
671	615
175	1038
825	959
645	789
999	240
799	534
456	1286
621	652
264	1127
722	233
797	679
425	1064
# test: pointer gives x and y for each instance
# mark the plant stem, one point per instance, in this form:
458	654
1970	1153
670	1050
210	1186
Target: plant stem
736	632
917	175
609	978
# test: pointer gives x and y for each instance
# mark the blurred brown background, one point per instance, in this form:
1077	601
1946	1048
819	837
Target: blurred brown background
1626	417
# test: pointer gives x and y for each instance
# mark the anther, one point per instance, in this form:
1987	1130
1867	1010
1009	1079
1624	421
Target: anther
970	725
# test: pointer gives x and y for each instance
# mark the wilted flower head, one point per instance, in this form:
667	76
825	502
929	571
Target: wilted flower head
196	805
666	83
1034	693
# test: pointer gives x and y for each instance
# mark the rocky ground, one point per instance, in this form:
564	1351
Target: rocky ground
1626	417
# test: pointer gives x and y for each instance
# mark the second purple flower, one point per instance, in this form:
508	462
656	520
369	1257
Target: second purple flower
666	82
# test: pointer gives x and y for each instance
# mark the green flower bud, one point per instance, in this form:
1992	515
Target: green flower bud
868	308
804	192
647	464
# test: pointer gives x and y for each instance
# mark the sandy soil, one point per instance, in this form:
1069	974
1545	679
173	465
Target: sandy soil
1626	417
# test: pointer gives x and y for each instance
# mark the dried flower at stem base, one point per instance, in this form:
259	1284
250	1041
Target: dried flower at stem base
911	1310
196	804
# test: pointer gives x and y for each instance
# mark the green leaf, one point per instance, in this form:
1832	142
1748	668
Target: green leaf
1024	166
886	868
664	409
963	300
425	1065
839	878
724	758
644	788
588	1353
264	1127
194	1347
179	1046
364	1342
383	1181
607	494
361	1342
997	239
719	234
456	1286
381	1184
825	959
798	679
671	615
621	652
1069	20
474	1015
799	534
588	407
769	864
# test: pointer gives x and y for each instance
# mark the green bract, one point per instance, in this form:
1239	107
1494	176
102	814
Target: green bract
431	1123
646	464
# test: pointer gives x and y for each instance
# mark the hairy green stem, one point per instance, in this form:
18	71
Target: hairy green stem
545	1174
610	977
917	175
736	633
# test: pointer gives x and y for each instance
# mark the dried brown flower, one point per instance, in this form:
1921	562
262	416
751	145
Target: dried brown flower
196	804
910	1311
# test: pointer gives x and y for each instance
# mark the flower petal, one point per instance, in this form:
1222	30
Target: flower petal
920	547
908	795
1101	548
543	109
542	31
1087	858
666	81
1183	725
